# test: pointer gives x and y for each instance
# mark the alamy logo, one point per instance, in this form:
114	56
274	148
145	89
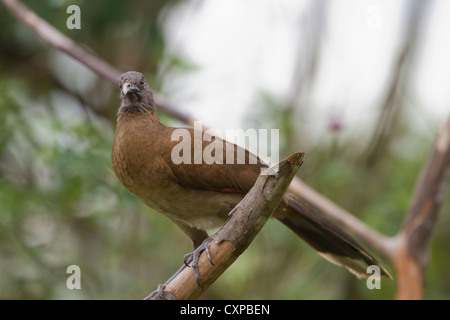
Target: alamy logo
190	149
373	281
74	280
74	20
373	21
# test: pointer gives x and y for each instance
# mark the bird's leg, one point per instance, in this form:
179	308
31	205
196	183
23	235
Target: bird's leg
201	242
193	257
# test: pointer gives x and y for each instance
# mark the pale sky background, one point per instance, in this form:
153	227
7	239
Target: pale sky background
240	48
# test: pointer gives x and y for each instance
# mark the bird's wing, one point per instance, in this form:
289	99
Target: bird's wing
223	167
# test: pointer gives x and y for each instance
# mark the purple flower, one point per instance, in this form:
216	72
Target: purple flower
335	122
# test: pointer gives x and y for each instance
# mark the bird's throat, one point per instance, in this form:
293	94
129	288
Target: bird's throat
132	109
134	105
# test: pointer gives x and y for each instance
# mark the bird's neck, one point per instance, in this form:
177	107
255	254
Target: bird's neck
132	117
134	104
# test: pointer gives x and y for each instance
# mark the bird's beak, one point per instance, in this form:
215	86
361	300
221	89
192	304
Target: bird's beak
129	87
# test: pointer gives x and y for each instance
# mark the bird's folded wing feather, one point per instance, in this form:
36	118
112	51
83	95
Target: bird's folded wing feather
221	175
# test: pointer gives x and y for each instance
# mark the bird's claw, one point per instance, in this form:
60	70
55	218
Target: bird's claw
192	258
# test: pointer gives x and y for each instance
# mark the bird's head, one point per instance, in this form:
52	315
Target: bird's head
132	82
135	93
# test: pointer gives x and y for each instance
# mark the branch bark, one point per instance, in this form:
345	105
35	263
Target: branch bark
244	223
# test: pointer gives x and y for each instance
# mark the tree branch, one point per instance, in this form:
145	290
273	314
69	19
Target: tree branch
244	223
58	40
414	238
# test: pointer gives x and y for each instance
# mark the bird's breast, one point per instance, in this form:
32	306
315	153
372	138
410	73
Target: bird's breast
135	156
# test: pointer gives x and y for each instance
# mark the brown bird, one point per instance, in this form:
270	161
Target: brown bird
197	197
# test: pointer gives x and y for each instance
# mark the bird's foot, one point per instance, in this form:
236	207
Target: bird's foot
161	294
193	257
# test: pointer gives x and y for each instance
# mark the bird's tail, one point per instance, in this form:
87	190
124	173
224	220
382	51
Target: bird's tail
331	242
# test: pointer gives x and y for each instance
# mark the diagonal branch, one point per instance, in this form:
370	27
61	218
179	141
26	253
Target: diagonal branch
244	223
58	40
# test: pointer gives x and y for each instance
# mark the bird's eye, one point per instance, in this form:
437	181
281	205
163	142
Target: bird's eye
142	82
120	85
